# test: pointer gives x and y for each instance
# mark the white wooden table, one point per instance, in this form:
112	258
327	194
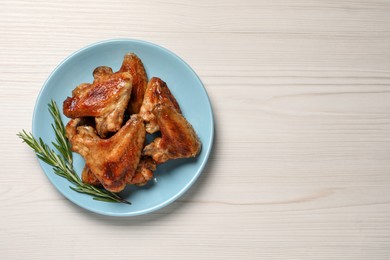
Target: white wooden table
301	97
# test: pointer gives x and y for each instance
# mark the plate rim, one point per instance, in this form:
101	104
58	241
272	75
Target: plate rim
186	187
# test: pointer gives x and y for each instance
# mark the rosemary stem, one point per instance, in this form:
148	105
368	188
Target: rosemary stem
62	163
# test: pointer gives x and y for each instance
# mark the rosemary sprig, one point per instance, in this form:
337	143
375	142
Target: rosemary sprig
62	163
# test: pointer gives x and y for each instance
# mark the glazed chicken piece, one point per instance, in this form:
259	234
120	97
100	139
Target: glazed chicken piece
132	64
113	161
178	138
142	175
105	99
156	93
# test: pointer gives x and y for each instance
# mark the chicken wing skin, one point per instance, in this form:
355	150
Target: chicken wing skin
178	138
113	161
142	175
132	64
157	92
144	171
105	99
87	176
102	73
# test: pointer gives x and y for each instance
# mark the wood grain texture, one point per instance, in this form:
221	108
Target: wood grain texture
301	95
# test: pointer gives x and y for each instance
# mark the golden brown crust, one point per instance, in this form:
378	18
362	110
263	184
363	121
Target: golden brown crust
178	138
93	99
101	73
132	64
105	99
157	92
142	175
87	176
144	171
114	160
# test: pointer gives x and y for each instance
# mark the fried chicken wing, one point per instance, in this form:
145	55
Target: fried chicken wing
105	99
113	161
178	138
157	92
132	64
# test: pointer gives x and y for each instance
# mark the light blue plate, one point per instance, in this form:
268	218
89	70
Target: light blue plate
173	178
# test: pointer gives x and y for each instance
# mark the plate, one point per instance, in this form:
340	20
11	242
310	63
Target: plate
172	178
